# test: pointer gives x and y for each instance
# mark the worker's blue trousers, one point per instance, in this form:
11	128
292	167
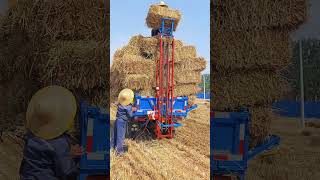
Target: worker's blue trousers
119	133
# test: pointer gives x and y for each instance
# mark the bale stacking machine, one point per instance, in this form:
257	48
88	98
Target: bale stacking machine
159	115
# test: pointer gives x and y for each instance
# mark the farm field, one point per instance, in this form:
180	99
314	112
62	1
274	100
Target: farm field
184	157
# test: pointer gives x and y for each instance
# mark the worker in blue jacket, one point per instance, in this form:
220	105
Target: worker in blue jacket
48	153
124	114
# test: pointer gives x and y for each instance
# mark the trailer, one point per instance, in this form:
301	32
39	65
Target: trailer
142	122
94	131
229	144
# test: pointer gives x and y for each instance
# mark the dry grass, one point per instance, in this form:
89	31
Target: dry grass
184	157
251	50
259	14
156	13
247	89
296	158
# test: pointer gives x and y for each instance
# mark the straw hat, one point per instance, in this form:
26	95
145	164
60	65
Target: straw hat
162	3
126	97
51	112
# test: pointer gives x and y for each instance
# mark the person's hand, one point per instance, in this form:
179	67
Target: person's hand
76	150
134	109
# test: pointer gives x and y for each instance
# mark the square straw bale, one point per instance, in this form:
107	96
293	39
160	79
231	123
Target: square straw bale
74	64
133	64
186	77
259	14
156	13
186	89
193	64
137	82
251	50
233	91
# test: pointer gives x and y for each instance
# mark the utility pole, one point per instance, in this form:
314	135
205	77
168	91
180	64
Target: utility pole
301	86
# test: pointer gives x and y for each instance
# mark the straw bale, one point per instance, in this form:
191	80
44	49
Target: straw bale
237	90
133	64
185	52
156	13
61	19
135	40
260	124
75	64
193	64
149	46
259	14
186	89
137	82
251	49
182	76
133	50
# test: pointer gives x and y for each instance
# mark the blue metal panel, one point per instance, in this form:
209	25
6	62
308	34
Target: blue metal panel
145	104
100	145
292	108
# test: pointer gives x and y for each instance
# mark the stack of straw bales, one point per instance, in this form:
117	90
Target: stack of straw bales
59	42
250	45
134	67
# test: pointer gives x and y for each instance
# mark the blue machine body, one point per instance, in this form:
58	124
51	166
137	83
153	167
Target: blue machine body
145	104
94	124
229	144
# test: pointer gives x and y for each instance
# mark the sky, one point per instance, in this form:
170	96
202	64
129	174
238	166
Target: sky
127	18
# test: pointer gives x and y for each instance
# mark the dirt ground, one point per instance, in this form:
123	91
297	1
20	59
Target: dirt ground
297	157
184	157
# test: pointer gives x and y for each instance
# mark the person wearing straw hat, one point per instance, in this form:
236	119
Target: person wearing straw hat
124	114
48	153
155	32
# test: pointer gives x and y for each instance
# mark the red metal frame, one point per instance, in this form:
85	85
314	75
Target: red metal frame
165	87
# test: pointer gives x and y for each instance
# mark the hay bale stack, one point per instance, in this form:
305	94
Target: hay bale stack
156	13
250	46
135	68
259	14
54	42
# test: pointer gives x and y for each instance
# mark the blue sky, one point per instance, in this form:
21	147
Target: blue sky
127	18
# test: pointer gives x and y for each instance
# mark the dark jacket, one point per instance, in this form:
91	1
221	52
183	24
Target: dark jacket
47	159
124	112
